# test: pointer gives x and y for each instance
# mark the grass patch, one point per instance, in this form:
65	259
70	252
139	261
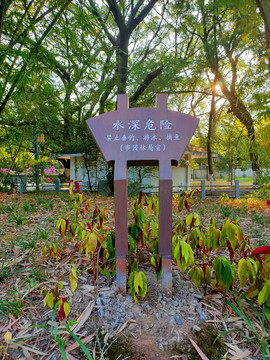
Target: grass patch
13	306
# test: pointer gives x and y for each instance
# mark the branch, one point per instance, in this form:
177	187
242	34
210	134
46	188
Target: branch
117	15
4	5
194	92
265	14
29	59
147	81
135	9
145	11
96	13
20	22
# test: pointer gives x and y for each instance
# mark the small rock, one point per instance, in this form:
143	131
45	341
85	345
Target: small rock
191	290
120	297
100	313
178	320
194	302
148	307
115	321
99	302
105	300
202	315
157	316
196	328
161	347
129	299
16	353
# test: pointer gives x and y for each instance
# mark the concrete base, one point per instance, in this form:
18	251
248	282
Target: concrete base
121	275
166	276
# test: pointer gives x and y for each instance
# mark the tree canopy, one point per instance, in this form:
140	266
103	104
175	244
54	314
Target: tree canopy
62	62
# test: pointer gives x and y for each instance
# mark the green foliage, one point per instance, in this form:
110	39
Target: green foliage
182	253
6	271
18	219
224	197
258	329
196	248
27	243
42	233
38	274
226	211
54	335
264	192
9	208
12	306
224	272
137	284
29	207
54	250
258	218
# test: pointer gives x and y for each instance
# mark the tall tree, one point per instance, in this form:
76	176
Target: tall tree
264	8
15	61
127	17
221	28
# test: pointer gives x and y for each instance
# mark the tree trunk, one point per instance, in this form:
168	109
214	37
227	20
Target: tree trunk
210	135
88	172
231	174
237	106
264	8
240	111
122	63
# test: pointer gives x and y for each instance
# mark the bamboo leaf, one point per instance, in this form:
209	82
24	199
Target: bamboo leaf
83	347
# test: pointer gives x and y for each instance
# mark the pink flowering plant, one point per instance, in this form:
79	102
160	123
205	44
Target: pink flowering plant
28	171
51	173
6	171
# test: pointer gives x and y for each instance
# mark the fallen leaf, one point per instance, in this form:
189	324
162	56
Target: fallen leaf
241	355
7	336
75	345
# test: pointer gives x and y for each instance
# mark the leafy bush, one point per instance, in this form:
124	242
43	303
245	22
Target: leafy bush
213	256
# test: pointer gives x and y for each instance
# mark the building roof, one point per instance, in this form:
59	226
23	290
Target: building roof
197	152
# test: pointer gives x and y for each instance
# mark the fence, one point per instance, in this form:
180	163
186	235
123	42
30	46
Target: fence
233	191
24	186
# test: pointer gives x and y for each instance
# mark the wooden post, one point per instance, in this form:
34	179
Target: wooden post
121	224
165	225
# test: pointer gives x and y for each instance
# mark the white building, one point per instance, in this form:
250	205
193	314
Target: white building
143	178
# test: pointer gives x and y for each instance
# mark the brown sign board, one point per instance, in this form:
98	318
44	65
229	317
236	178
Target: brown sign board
143	135
150	134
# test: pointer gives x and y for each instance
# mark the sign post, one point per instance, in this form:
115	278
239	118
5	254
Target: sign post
143	136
